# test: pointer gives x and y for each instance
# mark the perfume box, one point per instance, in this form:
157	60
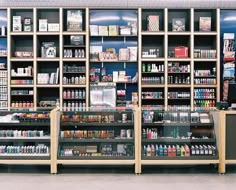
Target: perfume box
17	28
181	52
53	27
178	24
205	24
43	25
74	20
153	23
77	40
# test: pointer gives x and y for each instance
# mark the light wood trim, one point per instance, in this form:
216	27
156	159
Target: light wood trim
35	70
229	162
26	162
166	59
96	162
8	58
54	128
192	61
75	33
222	136
205	60
218	53
22	33
140	56
137	139
87	46
148	33
176	162
179	33
61	63
205	33
152	59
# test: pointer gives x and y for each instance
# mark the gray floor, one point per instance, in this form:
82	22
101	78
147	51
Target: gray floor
117	182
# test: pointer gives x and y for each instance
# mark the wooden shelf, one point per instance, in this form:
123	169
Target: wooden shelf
205	85
153	72
74	59
74	85
73	98
152	59
205	59
22	85
21	33
22	76
21	59
48	59
48	85
119	159
178	33
150	33
74	33
179	59
152	99
25	139
115	36
74	72
71	46
213	33
204	76
3	56
153	86
48	33
179	98
179	85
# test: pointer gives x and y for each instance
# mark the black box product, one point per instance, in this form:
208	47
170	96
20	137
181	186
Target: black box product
77	40
178	24
48	50
74	20
205	24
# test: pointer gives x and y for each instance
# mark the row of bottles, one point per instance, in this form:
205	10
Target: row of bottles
178	94
205	81
179	79
205	103
179	150
204	93
177	68
151	95
73	69
22	104
153	80
74	106
77	53
74	94
152	68
74	79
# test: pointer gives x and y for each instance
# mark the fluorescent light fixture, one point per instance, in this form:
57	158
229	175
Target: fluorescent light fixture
230	18
127	18
103	18
2	18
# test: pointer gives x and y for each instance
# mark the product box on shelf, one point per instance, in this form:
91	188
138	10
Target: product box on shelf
178	24
53	27
28	27
48	50
17	26
43	25
153	23
74	20
181	52
77	40
205	24
113	30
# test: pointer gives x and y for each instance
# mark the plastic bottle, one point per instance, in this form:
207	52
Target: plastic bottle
182	151
173	150
153	150
187	151
161	151
170	153
157	150
149	151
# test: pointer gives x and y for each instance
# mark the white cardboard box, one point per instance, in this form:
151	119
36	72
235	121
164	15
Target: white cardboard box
43	25
53	27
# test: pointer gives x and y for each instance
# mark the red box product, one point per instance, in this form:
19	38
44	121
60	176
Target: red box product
181	52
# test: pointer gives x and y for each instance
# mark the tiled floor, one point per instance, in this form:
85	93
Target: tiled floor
163	179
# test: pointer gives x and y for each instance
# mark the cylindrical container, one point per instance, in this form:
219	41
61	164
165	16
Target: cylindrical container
124	117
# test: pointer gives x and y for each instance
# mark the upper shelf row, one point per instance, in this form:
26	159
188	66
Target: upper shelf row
152	20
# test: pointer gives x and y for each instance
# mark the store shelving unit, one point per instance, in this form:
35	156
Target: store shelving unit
74	70
167	130
105	137
179	75
118	33
4	61
26	138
